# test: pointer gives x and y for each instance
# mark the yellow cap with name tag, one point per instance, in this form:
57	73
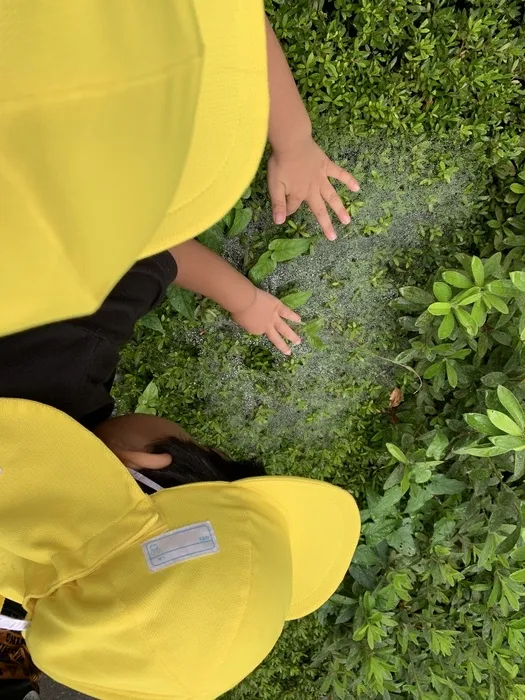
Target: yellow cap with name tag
174	596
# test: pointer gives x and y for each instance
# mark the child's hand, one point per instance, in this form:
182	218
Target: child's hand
265	316
301	175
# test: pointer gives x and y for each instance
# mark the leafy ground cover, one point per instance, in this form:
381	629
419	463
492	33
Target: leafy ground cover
409	388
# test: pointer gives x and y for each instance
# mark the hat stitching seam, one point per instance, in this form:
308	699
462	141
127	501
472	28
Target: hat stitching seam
95	90
108	555
226	161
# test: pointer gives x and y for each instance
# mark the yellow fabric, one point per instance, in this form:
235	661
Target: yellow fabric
72	526
126	127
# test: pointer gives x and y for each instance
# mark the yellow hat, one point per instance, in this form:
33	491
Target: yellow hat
175	596
126	127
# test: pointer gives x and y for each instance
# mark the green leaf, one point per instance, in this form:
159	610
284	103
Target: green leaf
262	268
443	486
501	288
452	375
395	477
284	249
515	241
518	188
313	327
510	541
396	453
478	271
511	404
491	300
421	473
151	321
296	299
467	296
457	279
459	354
376	532
439	308
492	379
437	447
241	220
150	393
228	219
434	369
148	399
481	423
402	540
517	222
502	338
213	238
144	408
446	327
415	295
364	576
491	451
466	320
468	299
441	642
418	498
492	265
508	442
365	556
483	346
316	341
479	313
518	555
518	280
503	422
387	502
519	465
442	291
518	576
182	301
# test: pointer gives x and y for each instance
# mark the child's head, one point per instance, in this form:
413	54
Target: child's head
167	454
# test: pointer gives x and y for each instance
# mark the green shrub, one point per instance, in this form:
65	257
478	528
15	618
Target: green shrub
433	604
412	67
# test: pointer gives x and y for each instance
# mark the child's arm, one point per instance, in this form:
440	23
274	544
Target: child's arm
201	270
298	170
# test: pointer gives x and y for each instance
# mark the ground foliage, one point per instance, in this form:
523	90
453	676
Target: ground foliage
423	294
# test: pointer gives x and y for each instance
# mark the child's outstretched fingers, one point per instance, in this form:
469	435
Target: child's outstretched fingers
338	173
288	314
275	339
330	196
284	329
320	212
278	199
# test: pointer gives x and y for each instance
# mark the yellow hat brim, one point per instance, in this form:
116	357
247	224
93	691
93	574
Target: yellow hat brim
231	122
324	526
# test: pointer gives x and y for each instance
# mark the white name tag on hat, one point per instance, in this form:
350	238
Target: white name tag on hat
174	547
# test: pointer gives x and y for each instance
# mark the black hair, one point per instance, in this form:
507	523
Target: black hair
192	463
